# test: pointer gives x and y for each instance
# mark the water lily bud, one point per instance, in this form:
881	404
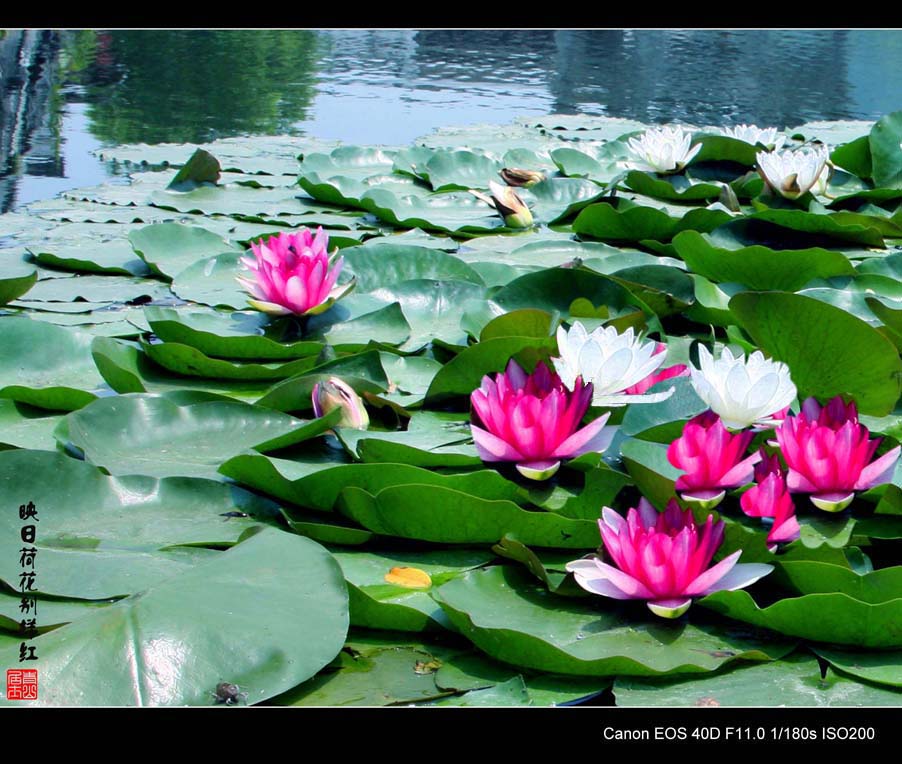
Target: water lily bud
514	176
335	393
728	199
511	207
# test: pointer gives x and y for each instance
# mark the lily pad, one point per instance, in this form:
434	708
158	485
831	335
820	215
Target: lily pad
827	617
628	224
760	267
884	144
444	515
318	486
47	366
828	351
189	361
228	335
83	508
378	603
515	620
211	281
388	264
880	667
169	248
197	628
149	435
112	257
793	681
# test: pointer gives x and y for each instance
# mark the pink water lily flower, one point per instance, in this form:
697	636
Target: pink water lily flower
534	420
678	370
293	273
663	558
829	454
712	459
770	498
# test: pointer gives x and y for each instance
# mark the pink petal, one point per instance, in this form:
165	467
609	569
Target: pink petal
592	437
491	448
879	471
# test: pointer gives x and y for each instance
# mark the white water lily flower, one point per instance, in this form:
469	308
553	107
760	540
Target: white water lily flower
664	150
753	134
792	173
741	391
612	362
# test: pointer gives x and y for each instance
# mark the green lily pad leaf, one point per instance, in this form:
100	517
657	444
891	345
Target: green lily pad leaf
432	439
515	620
879	667
556	289
83	508
202	627
16	278
260	205
852	299
53	612
99	289
47	366
828	227
812	577
627	225
409	378
169	248
793	681
444	515
127	369
723	148
383	677
386	265
854	156
211	281
536	249
513	692
712	304
329	531
385	325
832	531
557	199
551	573
460	170
827	617
760	267
98	574
464	373
518	323
663	422
191	362
885	156
318	486
379	604
431	308
666	290
228	335
363	372
647	465
22	426
200	169
454	213
673	188
879	527
831	131
147	435
113	257
828	351
355	161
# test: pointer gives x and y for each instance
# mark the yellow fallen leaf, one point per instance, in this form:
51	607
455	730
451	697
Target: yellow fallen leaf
411	578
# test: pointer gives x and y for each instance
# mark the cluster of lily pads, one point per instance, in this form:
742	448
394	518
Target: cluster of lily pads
403	471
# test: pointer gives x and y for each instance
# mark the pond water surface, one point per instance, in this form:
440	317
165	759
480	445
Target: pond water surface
66	93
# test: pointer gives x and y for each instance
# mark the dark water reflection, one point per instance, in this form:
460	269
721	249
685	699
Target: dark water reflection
64	93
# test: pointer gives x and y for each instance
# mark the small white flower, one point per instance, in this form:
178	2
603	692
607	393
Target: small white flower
741	391
753	134
664	150
612	362
792	173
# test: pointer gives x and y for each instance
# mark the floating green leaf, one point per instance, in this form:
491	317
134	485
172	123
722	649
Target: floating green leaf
828	351
518	621
172	644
